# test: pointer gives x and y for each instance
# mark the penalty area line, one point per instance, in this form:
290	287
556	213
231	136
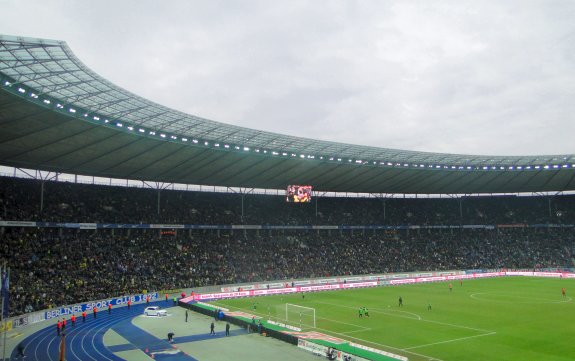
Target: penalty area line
419	318
448	341
330	332
429	358
367	329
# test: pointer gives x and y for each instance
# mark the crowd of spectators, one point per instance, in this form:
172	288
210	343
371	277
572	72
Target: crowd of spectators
51	268
21	199
56	266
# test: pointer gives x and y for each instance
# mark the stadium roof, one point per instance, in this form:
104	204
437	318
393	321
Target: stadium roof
58	115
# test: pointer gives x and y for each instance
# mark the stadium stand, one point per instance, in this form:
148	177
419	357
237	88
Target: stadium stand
57	266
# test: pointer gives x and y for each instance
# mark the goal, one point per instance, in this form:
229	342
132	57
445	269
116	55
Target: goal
300	315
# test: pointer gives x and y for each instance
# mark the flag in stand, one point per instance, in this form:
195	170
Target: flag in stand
4	290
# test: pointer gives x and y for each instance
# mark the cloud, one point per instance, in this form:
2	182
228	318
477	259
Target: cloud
490	77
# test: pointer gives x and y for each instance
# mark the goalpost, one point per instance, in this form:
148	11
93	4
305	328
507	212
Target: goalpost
303	316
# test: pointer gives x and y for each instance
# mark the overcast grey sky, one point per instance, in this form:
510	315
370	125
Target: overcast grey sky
476	77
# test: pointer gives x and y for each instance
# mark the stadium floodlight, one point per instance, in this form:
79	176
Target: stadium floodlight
216	144
106	121
275	153
162	135
33	95
184	139
22	90
59	106
206	143
7	83
46	101
130	128
246	149
141	130
265	151
152	133
195	141
174	137
555	166
339	159
96	118
226	146
119	125
546	167
537	167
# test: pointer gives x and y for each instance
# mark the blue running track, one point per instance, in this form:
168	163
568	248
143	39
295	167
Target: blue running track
86	341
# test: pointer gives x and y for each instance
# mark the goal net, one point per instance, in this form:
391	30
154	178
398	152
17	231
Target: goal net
300	316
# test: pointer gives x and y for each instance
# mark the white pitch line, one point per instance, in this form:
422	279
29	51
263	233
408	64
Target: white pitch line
460	326
378	310
541	300
429	358
383	310
367	329
418	319
448	341
363	328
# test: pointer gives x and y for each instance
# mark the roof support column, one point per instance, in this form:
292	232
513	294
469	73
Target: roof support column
43	178
41	195
159	195
159	186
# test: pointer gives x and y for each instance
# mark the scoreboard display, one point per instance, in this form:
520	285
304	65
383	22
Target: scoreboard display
298	194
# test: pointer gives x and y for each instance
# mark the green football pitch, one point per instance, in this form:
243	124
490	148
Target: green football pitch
507	318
